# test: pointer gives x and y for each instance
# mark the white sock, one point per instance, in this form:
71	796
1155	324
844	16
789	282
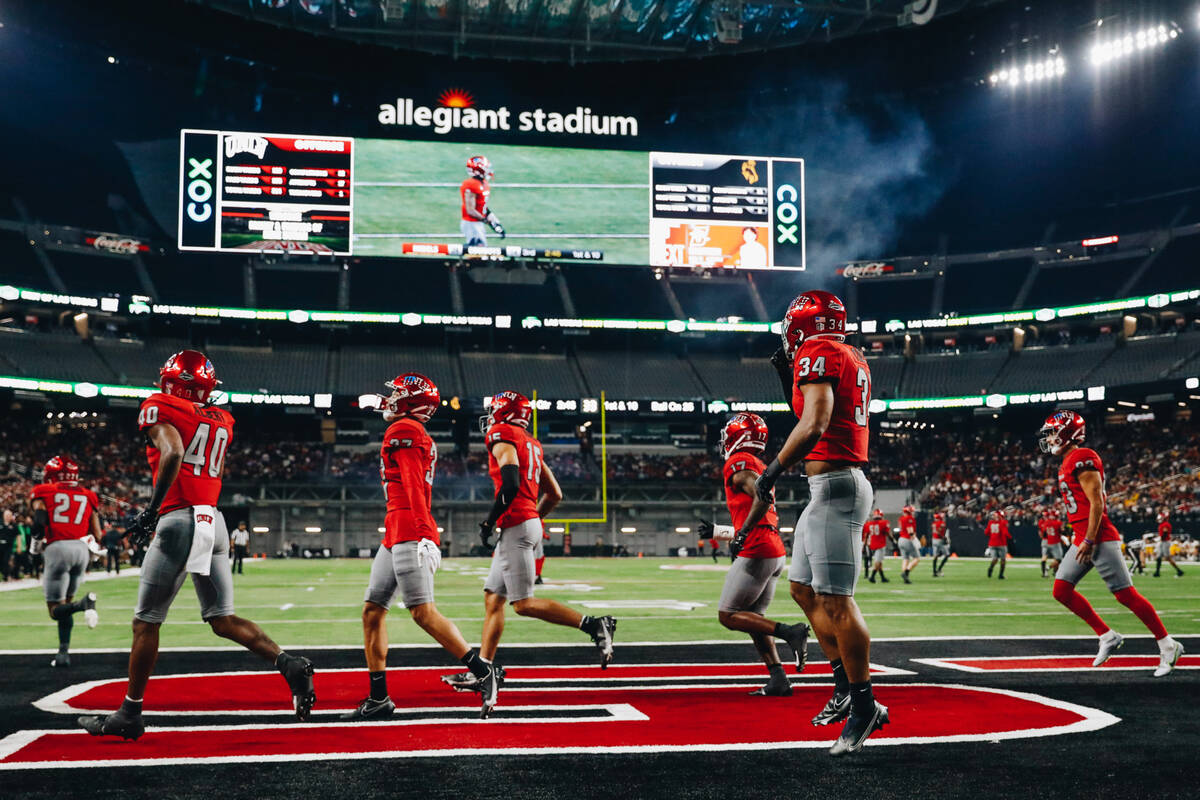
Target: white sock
1166	644
1109	635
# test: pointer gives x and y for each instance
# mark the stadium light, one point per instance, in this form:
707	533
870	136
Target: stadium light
261	529
1121	47
683	530
1054	66
312	529
629	529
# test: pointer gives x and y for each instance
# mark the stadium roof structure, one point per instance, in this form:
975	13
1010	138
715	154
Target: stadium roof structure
592	30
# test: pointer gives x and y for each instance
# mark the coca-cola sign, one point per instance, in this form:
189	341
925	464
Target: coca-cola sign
872	269
123	245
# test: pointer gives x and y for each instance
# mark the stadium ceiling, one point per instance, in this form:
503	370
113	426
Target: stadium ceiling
591	30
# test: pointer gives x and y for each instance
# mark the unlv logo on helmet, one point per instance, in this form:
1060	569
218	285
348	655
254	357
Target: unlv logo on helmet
1060	429
413	395
508	407
744	432
814	313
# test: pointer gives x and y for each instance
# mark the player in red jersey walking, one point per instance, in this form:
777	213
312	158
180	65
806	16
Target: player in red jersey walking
189	537
410	554
940	543
879	534
526	491
998	538
750	583
1097	542
830	386
474	193
1163	548
1050	527
910	547
64	514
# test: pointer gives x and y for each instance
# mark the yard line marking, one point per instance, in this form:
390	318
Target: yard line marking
286	606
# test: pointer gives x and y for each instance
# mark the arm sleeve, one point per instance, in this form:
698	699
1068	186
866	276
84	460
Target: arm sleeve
41	523
510	483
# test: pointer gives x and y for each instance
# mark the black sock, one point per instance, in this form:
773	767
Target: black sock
63	611
281	661
478	667
131	708
1002	565
782	629
64	631
589	625
379	685
776	672
862	699
841	684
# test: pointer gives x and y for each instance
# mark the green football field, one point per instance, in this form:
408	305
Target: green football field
655	599
546	197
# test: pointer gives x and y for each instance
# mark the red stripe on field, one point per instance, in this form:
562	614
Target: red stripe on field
423	688
1051	663
676	718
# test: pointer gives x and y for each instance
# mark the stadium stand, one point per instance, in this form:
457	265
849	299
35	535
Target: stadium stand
488	373
296	368
714	300
58	354
134	361
886	372
1080	283
737	379
1028	370
952	374
1145	358
362	370
634	375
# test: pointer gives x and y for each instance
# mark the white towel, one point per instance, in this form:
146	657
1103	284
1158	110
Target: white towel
724	532
204	538
429	555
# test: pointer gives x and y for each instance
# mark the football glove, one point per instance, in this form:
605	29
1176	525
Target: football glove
780	362
485	534
490	218
736	545
142	527
764	486
705	529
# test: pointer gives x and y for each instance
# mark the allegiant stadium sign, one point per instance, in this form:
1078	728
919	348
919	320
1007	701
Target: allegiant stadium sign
444	119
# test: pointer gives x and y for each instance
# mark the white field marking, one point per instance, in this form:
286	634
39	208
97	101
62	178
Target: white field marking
696	567
951	663
58	702
310	589
675	605
1093	719
541	645
451	185
36	583
286	606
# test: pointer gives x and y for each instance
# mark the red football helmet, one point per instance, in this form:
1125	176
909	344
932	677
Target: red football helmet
512	408
999	514
188	374
907	510
60	468
1060	429
939	516
744	432
479	167
1164	515
815	313
879	513
413	395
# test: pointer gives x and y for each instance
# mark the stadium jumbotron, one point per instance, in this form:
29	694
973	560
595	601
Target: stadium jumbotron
694	381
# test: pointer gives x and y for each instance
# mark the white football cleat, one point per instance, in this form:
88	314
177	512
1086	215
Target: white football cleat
1108	646
89	612
1167	659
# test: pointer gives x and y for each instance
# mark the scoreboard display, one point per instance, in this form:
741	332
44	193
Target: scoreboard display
723	211
263	192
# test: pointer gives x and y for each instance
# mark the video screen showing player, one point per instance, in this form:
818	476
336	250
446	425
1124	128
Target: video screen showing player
477	217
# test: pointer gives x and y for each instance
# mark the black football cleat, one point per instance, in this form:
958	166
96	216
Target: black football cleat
298	672
467	682
115	724
883	579
857	729
370	709
797	638
603	637
538	580
836	710
489	689
61	660
773	688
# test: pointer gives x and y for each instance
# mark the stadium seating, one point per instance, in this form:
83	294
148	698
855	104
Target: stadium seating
952	374
751	379
137	362
488	373
361	370
1145	358
1031	369
636	375
296	368
52	355
885	376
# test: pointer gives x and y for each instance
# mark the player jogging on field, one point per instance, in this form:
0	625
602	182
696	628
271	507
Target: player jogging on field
879	536
1050	527
910	549
830	385
750	582
64	514
998	538
189	537
940	543
1097	542
526	491
1163	548
474	193
410	553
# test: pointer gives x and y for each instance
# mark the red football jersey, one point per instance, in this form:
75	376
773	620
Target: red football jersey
1078	506
878	530
844	368
939	529
205	431
1051	529
763	540
407	461
908	526
997	533
69	507
481	191
1164	530
529	460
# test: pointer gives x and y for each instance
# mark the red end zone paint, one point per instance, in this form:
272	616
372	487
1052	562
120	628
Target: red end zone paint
611	719
1053	663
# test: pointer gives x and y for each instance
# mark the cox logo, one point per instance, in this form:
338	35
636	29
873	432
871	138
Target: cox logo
787	214
199	189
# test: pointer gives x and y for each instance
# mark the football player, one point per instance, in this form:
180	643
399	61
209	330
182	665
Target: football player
998	538
1163	548
410	553
830	386
879	536
187	439
64	514
750	582
526	491
1097	542
474	193
941	543
910	550
1050	527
